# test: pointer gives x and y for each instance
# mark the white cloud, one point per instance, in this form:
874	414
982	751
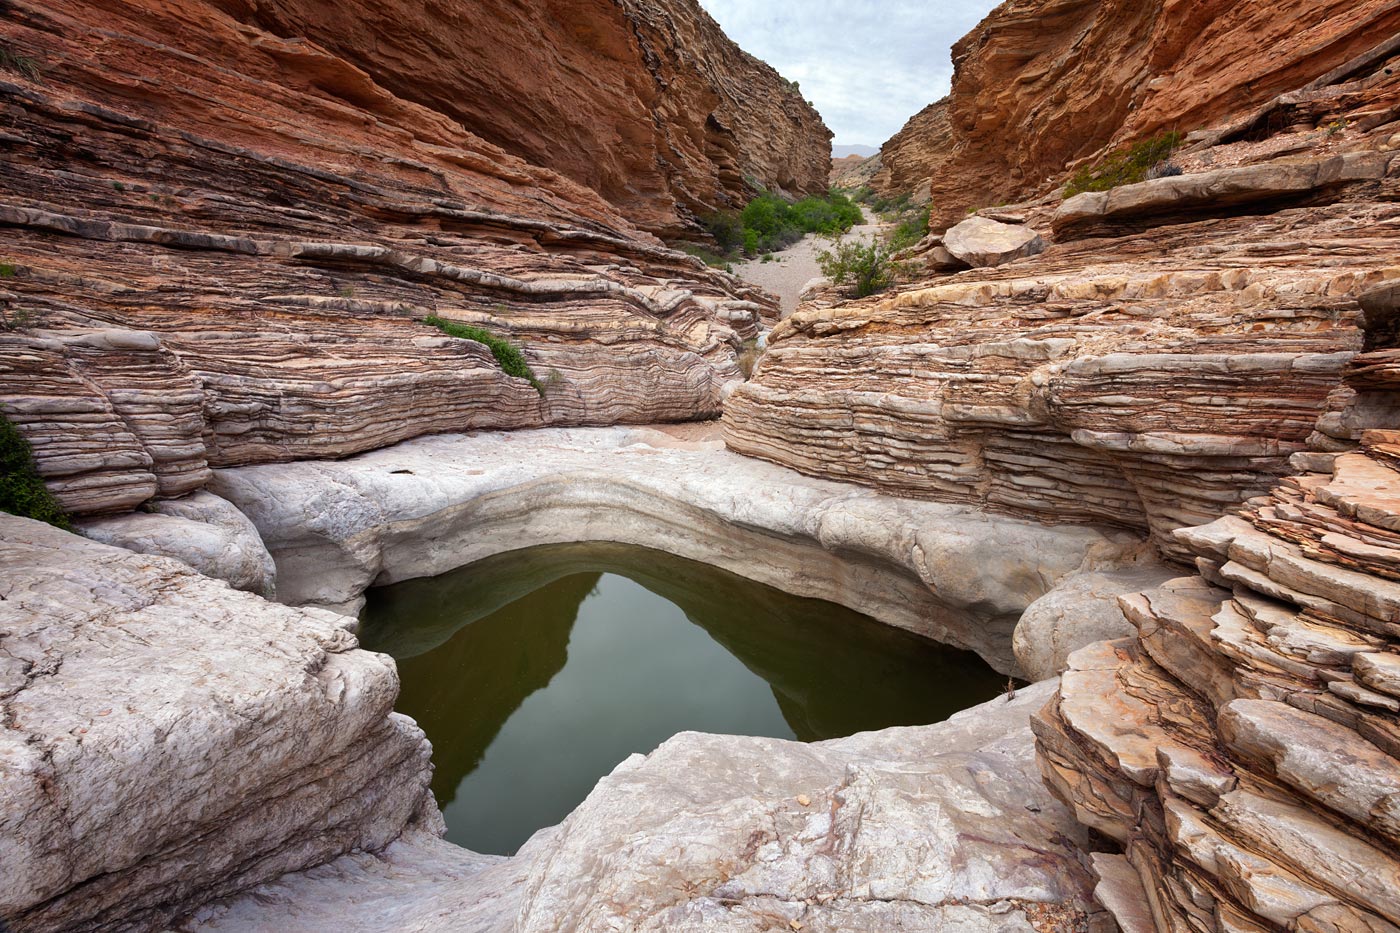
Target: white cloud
868	65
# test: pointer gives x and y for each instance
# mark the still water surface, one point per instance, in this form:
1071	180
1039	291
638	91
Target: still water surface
536	672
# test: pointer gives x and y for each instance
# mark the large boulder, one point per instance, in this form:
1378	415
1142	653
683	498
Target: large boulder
981	242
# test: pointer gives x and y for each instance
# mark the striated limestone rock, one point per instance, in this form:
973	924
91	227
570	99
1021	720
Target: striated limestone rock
232	268
939	827
432	505
980	242
167	739
1244	748
1039	85
203	531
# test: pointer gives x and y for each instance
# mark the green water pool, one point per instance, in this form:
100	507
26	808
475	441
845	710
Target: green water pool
536	672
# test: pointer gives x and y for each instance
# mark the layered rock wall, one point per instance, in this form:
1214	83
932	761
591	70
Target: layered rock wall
1244	749
220	243
645	101
1041	84
1151	381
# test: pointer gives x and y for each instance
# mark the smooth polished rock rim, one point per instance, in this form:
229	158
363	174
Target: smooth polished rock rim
421	508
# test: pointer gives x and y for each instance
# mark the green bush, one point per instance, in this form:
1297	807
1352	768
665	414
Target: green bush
910	229
1124	167
769	223
22	490
863	266
506	353
728	230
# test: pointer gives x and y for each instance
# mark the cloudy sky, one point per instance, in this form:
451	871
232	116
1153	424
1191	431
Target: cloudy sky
868	65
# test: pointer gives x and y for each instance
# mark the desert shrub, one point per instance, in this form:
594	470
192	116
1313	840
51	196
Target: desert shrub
835	213
862	266
769	224
22	489
507	354
727	227
1124	167
911	227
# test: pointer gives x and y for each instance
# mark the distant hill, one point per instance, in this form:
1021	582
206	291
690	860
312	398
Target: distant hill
865	152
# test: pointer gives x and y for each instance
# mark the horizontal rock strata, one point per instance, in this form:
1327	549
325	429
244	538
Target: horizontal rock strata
937	827
232	267
1244	748
1152	380
165	739
434	504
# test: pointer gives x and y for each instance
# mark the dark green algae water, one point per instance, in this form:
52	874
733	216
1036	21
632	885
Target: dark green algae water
536	672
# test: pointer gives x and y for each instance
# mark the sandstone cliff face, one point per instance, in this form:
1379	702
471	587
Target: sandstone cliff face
1040	84
644	101
219	244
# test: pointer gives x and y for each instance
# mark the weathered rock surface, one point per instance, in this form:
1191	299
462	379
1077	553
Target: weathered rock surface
1244	748
431	505
1039	85
166	739
1082	610
980	242
646	102
203	531
939	827
231	267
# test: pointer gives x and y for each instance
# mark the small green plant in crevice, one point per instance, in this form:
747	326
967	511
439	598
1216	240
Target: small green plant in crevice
864	267
507	354
1126	166
22	489
1337	127
708	257
22	65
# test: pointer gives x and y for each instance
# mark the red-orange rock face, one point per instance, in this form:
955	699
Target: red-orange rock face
1040	84
644	101
219	245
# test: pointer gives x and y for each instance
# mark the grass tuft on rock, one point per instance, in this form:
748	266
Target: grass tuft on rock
1124	167
507	354
22	489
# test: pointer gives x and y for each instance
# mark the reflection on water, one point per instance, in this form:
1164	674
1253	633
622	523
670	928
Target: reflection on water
536	672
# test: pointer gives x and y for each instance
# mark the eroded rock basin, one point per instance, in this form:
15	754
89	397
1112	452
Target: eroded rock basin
534	673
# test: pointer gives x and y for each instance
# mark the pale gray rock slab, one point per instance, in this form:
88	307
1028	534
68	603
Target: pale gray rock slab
980	242
424	507
168	739
944	827
712	832
202	530
1083	609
